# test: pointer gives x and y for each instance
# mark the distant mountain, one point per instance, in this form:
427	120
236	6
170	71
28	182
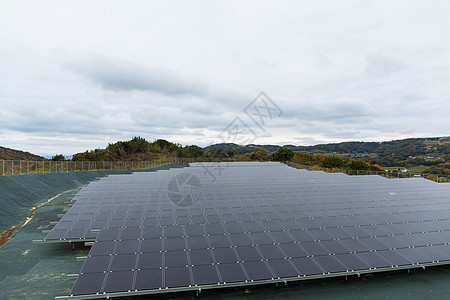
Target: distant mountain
406	147
426	155
12	154
432	150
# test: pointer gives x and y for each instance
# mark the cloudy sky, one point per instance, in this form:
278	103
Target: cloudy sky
77	75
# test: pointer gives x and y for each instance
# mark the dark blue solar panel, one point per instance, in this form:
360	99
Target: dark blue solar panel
255	221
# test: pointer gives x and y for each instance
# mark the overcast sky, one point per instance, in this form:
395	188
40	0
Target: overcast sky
77	75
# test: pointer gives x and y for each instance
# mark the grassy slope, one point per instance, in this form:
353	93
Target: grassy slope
12	154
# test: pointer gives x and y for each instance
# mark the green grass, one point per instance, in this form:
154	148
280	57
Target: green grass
431	142
418	169
393	168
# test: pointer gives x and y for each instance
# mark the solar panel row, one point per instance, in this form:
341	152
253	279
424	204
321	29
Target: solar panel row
247	222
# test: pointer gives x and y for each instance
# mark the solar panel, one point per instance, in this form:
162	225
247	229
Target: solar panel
228	224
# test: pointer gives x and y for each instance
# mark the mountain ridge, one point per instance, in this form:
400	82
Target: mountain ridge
427	151
13	154
414	146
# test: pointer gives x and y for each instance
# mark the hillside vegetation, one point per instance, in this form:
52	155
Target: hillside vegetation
139	149
398	149
421	155
11	154
427	155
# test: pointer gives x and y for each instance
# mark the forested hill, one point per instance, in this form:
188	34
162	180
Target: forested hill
422	150
11	154
401	149
227	147
425	154
138	149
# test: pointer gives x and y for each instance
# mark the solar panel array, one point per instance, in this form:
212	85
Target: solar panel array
246	223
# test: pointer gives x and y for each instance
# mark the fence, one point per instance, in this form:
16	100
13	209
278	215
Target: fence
16	167
387	174
12	167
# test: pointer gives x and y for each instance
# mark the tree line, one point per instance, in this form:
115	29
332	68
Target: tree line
139	149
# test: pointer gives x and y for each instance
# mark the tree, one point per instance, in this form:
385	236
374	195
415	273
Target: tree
138	145
216	153
191	151
332	161
283	154
58	157
376	167
358	165
166	145
262	154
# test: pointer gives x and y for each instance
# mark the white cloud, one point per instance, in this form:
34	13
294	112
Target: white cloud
117	75
75	76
